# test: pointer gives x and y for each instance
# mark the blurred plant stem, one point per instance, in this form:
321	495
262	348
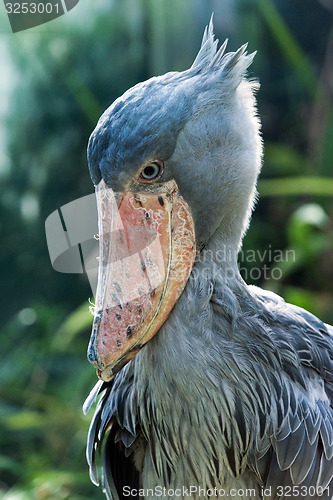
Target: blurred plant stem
295	186
290	49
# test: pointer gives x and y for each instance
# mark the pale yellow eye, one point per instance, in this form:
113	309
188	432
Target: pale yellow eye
151	171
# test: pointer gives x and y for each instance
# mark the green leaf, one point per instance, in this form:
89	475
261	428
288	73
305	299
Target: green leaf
25	420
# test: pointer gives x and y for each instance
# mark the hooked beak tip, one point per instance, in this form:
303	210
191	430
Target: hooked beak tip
102	376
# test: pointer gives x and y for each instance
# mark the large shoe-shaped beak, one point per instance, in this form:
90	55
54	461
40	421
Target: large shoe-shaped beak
147	250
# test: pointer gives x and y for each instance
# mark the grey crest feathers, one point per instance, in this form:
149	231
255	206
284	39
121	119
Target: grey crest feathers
232	64
143	124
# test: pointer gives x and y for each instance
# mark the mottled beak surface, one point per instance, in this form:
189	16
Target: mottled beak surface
147	250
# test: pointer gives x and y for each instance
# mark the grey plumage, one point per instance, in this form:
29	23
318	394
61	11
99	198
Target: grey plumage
236	389
250	408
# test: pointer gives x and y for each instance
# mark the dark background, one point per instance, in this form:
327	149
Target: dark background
56	80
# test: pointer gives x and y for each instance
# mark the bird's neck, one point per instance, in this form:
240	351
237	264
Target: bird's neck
191	326
188	368
217	263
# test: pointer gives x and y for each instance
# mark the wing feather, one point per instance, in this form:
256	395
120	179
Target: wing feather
118	468
113	431
301	432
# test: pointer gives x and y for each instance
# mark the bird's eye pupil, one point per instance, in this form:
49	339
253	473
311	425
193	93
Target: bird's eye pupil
151	171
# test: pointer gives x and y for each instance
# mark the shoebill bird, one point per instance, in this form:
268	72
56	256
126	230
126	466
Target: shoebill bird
204	381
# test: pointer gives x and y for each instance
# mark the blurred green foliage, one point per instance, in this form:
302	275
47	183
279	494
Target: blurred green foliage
64	75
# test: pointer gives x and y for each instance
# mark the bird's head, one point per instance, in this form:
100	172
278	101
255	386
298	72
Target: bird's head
175	162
